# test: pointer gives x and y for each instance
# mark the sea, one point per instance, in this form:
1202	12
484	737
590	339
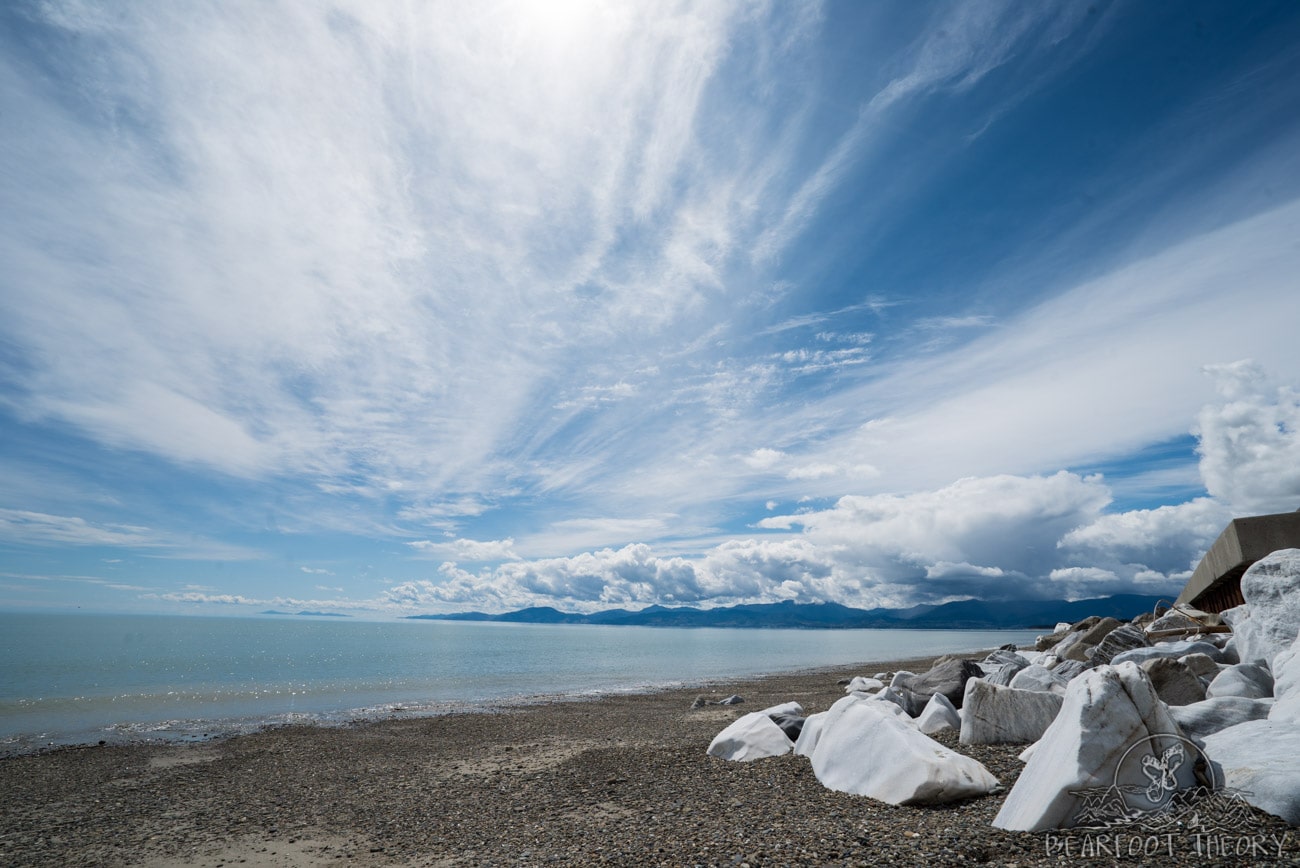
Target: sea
70	679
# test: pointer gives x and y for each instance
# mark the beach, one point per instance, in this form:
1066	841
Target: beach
616	779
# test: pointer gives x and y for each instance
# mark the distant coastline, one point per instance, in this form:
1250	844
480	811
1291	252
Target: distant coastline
959	615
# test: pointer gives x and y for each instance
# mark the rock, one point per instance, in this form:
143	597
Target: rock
1173	620
1172	650
1175	683
1118	641
1086	624
754	736
731	700
900	677
791	723
864	685
1039	678
1070	669
1004	715
811	732
1046	643
1001	657
948	678
1213	715
1071	640
1286	685
1270	618
867	752
1003	674
1107	711
700	702
938	715
1098	631
1250	680
1062	627
1202	664
1079	652
882	676
1260	759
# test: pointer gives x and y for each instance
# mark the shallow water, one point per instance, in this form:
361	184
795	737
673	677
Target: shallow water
67	679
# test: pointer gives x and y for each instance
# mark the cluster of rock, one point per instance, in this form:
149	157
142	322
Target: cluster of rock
1101	703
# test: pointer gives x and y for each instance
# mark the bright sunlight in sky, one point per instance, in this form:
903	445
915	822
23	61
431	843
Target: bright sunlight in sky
386	308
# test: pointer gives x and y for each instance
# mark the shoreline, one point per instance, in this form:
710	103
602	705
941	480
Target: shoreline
202	730
618	779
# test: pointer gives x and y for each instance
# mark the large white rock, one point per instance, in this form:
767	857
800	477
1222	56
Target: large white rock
867	751
1286	684
1261	758
1270	618
1214	715
939	714
1168	649
754	736
1004	715
809	735
862	684
1039	678
1251	680
1106	711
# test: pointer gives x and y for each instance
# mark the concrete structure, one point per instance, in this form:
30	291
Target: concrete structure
1215	585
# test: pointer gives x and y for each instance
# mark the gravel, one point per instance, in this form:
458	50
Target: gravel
618	780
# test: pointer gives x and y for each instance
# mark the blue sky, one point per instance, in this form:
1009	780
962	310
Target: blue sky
394	308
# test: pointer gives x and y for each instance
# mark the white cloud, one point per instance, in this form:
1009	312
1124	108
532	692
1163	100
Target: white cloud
1166	538
316	571
764	459
41	529
1250	444
468	549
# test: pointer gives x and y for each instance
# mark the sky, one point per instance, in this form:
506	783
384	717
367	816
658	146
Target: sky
386	308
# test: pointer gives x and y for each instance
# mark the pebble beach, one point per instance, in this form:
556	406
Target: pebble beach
614	780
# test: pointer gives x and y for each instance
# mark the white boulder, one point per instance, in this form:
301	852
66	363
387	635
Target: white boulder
1107	711
1251	680
939	714
754	736
1261	759
862	684
867	751
999	715
1039	678
1214	715
1167	649
811	732
1286	684
1270	618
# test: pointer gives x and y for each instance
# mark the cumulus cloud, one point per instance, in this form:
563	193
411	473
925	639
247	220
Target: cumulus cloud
1250	443
995	538
1166	538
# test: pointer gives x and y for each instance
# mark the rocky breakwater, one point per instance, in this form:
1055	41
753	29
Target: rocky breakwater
1159	721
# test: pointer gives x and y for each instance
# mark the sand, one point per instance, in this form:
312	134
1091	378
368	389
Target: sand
621	780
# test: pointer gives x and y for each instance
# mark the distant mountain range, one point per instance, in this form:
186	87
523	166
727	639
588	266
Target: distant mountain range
309	614
961	615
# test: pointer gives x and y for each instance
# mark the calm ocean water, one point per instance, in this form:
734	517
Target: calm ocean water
69	679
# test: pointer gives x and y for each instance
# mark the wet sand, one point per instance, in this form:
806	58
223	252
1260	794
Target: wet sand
621	780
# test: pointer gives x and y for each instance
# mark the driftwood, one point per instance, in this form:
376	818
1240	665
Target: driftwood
1190	631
